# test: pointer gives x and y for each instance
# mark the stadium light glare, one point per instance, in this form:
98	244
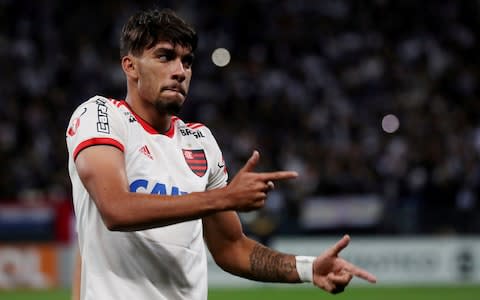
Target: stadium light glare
390	123
221	57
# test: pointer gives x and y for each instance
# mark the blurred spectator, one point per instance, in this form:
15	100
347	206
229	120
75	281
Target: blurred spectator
308	85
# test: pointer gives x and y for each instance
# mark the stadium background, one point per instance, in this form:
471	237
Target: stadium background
316	86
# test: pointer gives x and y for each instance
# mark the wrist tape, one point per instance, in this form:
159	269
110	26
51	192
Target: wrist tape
305	267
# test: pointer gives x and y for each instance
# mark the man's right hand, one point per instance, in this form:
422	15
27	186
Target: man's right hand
248	189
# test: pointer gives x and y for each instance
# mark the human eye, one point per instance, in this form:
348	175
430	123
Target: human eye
164	57
188	61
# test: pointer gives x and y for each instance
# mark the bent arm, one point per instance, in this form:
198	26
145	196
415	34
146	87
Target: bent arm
239	255
102	171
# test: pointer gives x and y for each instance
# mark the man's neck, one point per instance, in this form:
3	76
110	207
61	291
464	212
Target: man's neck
147	111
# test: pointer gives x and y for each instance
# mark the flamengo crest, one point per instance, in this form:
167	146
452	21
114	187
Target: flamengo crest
196	160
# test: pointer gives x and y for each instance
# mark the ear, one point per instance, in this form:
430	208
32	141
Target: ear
129	66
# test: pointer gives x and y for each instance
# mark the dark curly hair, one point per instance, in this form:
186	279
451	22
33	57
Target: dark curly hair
146	28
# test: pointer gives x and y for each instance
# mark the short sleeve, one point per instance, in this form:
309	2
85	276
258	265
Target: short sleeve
95	122
218	176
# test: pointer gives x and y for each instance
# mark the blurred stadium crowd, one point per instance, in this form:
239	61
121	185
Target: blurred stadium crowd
308	85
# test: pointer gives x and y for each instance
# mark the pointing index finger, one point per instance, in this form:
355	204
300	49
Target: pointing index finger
360	273
279	175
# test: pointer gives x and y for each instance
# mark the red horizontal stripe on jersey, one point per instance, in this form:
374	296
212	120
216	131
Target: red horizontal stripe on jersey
197	161
194	125
198	165
97	141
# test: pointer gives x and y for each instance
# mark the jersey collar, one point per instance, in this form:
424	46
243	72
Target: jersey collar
148	128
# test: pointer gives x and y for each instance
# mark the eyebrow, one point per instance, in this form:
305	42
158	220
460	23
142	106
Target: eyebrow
162	50
165	50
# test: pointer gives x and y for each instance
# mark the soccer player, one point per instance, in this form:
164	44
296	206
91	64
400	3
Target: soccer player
150	190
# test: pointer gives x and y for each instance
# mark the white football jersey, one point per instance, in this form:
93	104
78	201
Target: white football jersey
162	263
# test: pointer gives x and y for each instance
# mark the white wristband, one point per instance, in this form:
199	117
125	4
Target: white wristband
305	267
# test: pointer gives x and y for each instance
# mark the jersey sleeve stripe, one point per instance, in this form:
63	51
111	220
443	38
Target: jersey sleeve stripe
97	141
194	125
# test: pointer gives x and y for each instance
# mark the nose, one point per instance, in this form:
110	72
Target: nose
179	72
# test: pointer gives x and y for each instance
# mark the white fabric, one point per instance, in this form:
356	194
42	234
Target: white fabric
161	263
305	267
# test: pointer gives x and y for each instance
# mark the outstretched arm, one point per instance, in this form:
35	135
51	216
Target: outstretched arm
237	254
242	256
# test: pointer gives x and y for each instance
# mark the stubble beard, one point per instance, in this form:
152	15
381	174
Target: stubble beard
168	107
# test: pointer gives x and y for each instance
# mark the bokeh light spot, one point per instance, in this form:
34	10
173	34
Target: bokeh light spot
390	123
221	57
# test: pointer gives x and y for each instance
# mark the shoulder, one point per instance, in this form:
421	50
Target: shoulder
98	106
200	132
96	112
197	130
101	101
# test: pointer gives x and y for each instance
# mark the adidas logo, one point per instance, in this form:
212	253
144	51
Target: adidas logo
144	150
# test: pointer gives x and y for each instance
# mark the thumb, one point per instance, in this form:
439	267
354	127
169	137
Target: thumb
251	162
340	245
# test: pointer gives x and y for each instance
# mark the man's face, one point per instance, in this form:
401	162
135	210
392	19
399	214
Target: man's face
164	73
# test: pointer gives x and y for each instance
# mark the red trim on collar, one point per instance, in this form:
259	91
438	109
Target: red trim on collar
170	132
